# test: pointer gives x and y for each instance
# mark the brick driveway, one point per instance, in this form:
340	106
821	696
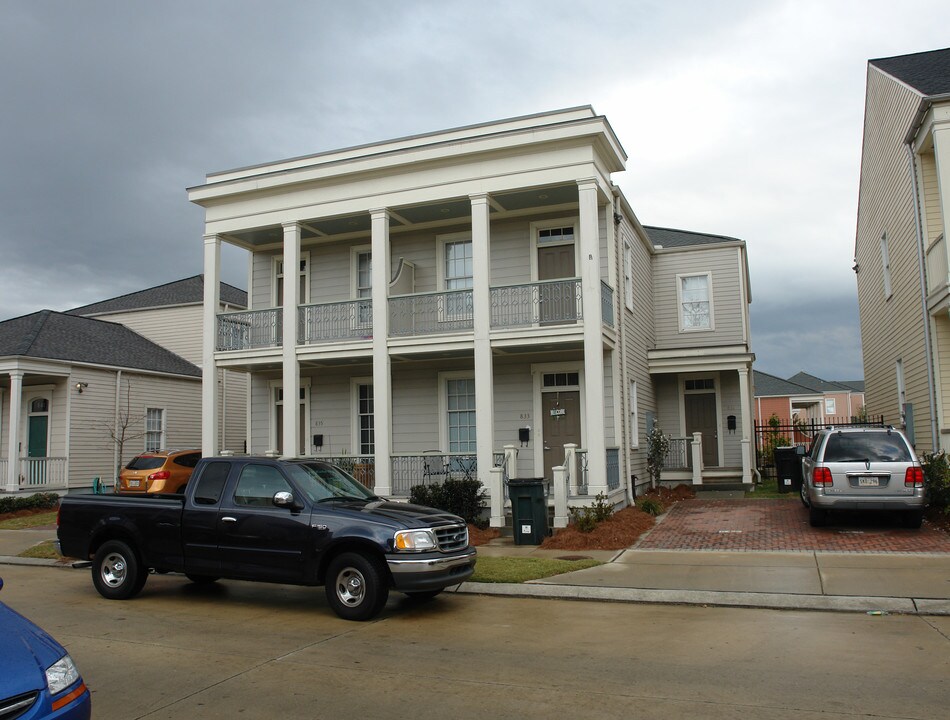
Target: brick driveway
783	525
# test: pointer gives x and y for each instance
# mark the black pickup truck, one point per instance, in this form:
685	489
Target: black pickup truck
300	522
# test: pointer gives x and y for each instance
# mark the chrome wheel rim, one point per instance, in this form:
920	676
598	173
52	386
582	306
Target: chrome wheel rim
350	587
114	570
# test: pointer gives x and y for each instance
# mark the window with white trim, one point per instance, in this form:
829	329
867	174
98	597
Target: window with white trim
634	421
303	290
694	296
628	273
457	274
364	285
365	422
886	265
154	429
460	420
830	406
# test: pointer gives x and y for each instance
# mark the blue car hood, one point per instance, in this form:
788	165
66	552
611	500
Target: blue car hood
27	652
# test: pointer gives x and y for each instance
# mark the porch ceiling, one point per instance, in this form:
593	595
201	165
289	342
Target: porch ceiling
445	212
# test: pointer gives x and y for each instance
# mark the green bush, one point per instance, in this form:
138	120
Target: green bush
586	519
650	505
937	480
459	497
39	501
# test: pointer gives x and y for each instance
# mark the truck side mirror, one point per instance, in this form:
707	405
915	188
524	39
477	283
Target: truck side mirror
285	499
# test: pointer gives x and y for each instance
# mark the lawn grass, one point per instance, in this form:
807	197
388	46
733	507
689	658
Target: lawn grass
45	551
29	521
522	569
766	490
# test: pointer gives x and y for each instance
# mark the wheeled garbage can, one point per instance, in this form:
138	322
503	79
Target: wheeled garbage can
788	468
529	510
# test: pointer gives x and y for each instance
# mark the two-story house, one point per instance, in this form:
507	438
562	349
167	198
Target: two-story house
480	302
901	256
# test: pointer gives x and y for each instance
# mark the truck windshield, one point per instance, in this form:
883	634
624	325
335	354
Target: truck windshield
322	482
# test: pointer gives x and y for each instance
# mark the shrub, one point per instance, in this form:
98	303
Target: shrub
658	445
39	501
650	505
937	480
459	497
587	518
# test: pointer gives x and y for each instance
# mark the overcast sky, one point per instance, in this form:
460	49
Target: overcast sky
739	118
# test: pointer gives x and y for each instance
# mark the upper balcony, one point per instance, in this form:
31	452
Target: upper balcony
938	277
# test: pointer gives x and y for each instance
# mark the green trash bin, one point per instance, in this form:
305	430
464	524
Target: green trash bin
529	510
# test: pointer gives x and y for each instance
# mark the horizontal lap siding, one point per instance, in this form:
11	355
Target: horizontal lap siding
331	408
416	416
178	329
730	405
933	213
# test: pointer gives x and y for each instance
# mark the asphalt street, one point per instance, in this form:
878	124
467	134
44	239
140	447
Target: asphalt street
268	651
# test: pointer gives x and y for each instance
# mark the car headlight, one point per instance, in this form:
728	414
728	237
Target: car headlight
415	540
61	674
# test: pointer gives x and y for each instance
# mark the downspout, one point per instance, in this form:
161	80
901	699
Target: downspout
928	347
625	429
115	445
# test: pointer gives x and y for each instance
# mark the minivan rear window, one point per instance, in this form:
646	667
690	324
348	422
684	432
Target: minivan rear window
859	447
145	462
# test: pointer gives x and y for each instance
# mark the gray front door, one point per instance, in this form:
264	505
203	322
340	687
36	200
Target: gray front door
701	417
558	300
560	424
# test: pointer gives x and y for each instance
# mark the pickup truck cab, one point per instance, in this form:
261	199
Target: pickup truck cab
301	522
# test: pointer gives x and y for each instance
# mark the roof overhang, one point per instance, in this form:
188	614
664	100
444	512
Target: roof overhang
687	360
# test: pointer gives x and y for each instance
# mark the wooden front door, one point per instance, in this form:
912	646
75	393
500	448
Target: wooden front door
558	300
701	417
560	424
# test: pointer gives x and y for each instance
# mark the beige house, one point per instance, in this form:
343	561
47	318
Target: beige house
901	257
478	302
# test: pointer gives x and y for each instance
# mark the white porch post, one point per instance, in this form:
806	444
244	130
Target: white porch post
594	434
382	368
12	480
291	368
745	405
209	374
484	372
696	448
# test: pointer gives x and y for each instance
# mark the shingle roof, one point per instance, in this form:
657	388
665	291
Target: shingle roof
189	291
771	386
855	385
819	385
668	237
57	336
927	72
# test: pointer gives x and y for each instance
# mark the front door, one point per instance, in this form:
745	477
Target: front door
560	424
37	442
558	299
701	418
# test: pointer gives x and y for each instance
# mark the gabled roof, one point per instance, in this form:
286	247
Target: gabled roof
668	237
189	291
52	335
854	385
819	385
771	386
926	72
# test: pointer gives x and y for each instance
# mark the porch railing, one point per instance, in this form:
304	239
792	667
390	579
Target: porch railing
547	302
326	322
250	329
607	304
430	313
429	469
42	472
677	457
361	467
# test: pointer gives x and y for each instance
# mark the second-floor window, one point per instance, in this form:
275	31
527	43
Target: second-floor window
695	302
628	273
303	294
886	265
457	275
364	285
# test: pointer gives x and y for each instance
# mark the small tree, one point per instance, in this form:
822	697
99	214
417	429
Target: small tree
658	445
125	426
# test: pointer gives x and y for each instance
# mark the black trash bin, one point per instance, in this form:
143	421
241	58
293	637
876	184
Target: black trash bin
529	510
788	468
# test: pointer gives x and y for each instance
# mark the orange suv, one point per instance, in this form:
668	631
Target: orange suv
159	471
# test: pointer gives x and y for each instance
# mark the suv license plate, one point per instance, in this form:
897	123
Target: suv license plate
135	483
868	482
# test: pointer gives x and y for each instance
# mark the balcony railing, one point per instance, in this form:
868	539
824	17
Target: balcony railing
550	302
42	472
250	329
937	271
429	469
430	313
327	322
607	303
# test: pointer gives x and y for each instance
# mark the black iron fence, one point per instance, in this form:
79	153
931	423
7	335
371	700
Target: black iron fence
785	433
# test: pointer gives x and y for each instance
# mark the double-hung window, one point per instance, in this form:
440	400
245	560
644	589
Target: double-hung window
154	429
367	430
460	397
694	293
457	267
364	287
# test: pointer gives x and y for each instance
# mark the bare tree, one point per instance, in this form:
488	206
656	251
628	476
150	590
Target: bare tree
125	427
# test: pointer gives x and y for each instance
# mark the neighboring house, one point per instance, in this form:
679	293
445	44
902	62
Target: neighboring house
478	302
69	385
901	257
807	398
171	315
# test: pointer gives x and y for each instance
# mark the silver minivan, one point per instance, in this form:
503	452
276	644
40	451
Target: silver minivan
862	468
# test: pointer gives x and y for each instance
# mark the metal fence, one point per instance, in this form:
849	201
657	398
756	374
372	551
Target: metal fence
786	433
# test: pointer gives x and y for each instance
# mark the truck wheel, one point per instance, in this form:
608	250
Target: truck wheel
116	571
357	587
201	579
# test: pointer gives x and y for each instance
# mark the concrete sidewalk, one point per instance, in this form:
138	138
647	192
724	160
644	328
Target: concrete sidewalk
854	582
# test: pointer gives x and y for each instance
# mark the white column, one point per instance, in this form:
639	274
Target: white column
12	480
745	409
696	448
209	375
382	366
481	304
291	369
594	434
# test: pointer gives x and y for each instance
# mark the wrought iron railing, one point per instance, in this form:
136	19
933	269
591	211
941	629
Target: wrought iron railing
250	329
429	469
430	313
678	455
326	322
37	472
541	303
613	468
581	471
361	467
607	304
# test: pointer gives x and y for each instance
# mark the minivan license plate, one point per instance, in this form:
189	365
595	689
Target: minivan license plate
868	482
